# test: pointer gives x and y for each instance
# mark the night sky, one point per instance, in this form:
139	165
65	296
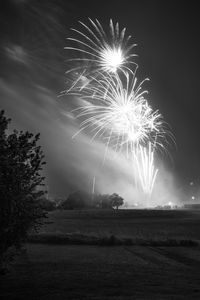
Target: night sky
32	75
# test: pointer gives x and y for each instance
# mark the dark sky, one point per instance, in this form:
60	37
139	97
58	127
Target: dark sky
32	66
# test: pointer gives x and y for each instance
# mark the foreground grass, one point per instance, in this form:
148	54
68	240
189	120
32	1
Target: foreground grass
72	272
81	239
156	257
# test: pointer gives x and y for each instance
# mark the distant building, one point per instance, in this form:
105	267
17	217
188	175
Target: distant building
192	206
167	206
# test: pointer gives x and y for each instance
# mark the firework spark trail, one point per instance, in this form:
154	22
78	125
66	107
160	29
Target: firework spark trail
146	170
118	109
97	50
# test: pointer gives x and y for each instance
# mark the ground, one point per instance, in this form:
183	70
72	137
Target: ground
51	271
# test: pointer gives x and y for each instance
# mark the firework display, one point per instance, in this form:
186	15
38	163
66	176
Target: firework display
113	103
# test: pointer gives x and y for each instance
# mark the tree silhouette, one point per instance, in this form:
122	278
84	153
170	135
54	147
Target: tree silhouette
116	200
21	161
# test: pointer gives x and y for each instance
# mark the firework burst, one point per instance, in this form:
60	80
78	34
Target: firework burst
95	49
118	111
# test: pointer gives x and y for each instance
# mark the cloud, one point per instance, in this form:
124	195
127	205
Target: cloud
17	53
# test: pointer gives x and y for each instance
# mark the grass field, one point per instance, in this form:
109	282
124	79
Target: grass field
145	224
53	271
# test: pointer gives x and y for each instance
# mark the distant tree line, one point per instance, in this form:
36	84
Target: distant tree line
83	200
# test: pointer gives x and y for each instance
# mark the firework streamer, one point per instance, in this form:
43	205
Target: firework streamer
146	170
93	187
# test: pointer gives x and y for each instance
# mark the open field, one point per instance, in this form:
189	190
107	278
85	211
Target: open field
145	224
50	271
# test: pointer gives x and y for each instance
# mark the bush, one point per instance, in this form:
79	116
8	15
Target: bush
47	205
77	200
102	201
